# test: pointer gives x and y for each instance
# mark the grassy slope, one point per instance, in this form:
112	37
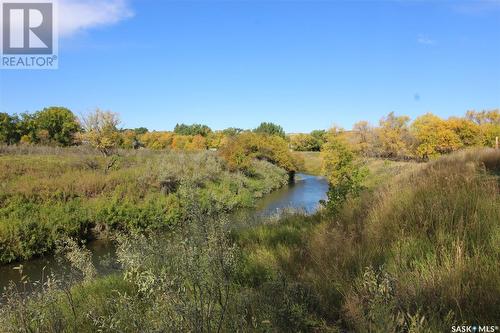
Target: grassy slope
380	169
312	162
47	194
419	253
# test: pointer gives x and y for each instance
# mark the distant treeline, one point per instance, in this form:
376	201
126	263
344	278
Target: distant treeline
58	126
394	137
426	137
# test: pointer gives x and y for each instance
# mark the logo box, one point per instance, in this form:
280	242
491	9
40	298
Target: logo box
28	34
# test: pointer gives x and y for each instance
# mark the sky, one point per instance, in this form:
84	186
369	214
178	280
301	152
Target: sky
302	64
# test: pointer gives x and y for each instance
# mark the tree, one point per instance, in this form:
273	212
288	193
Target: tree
101	131
239	151
308	142
195	129
157	140
468	132
484	117
140	130
489	124
320	136
434	136
270	129
9	133
28	128
58	125
198	142
215	139
394	136
364	137
345	174
232	131
180	142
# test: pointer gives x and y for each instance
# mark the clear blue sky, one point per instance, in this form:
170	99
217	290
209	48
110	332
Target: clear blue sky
302	64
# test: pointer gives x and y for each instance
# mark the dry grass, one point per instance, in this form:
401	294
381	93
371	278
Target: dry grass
312	162
432	232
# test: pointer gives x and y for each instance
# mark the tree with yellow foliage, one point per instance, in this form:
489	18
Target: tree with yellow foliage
197	142
157	140
239	150
394	136
101	131
489	123
180	142
434	136
468	132
129	139
365	138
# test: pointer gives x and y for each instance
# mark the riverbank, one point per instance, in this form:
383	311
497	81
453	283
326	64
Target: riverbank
403	256
51	194
303	195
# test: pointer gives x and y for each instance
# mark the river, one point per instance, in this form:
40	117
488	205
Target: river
303	194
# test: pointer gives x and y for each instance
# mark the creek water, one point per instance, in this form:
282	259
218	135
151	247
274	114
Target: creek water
304	194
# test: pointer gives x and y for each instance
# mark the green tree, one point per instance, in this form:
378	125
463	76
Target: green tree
195	129
27	128
319	136
270	129
140	130
232	131
9	133
59	124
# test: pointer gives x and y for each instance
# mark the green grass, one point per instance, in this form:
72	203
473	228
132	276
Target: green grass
48	194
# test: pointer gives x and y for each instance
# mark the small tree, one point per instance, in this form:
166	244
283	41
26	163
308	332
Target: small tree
101	131
345	175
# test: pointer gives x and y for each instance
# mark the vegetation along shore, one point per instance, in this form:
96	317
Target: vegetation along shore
407	241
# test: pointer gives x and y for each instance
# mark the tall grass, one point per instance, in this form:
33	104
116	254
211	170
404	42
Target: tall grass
416	253
424	245
50	193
